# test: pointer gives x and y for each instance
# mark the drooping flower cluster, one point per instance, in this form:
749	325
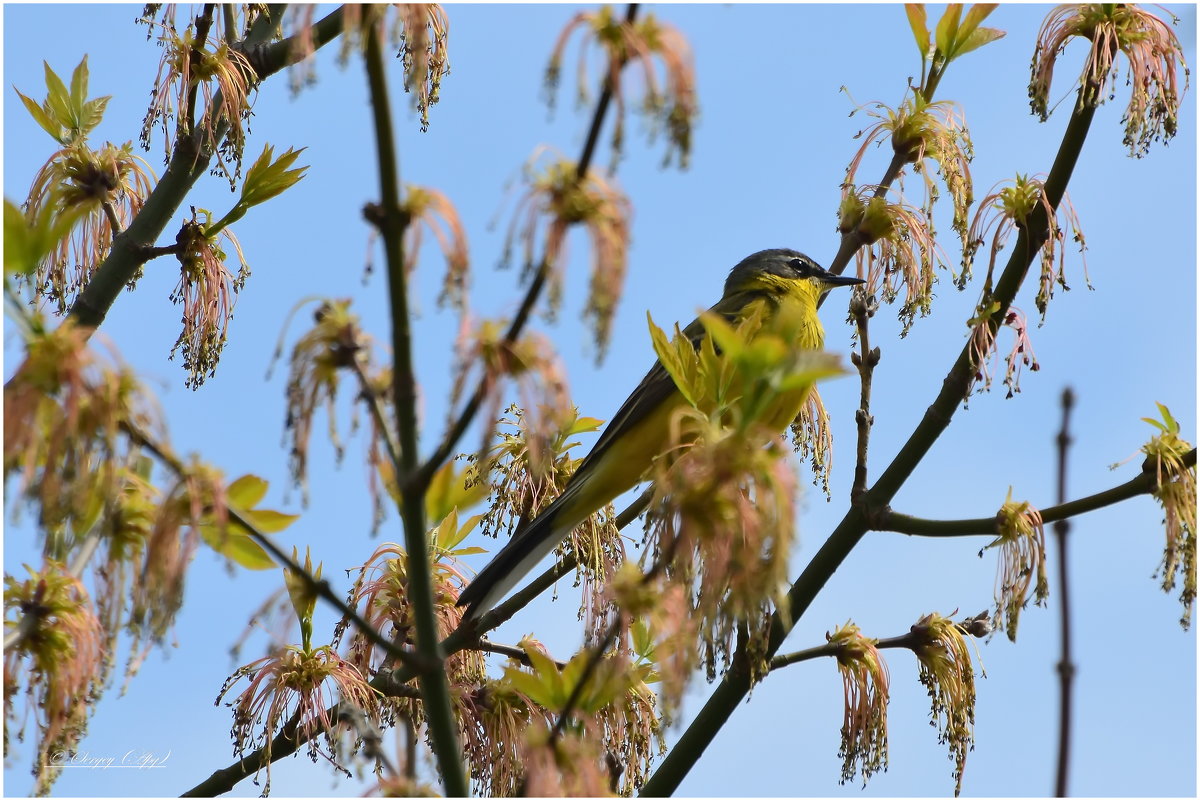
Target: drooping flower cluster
673	107
1151	48
1175	490
866	682
558	198
1021	538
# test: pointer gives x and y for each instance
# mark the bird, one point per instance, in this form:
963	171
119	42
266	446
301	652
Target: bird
790	284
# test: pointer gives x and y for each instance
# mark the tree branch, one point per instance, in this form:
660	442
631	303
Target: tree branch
321	587
1141	484
736	682
475	402
187	164
435	687
1066	668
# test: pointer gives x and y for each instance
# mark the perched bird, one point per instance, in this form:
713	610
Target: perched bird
790	285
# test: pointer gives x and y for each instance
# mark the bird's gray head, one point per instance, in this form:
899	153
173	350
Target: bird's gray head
784	263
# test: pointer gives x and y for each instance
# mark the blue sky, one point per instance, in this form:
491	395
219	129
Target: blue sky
769	153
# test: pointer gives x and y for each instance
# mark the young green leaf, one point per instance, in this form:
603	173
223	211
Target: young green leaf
977	39
947	30
916	20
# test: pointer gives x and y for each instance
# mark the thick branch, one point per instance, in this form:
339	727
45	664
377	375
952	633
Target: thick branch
129	249
736	683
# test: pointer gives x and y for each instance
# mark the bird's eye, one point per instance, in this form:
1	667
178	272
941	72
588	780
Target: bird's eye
802	268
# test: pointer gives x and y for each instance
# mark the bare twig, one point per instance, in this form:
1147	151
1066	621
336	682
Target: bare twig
1145	482
863	306
1066	668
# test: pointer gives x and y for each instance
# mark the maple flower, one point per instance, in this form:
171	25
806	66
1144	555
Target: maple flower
673	107
207	290
900	250
380	593
985	356
947	672
57	651
1021	538
1006	208
812	438
335	341
866	681
295	689
1151	48
556	200
103	190
208	70
921	131
1175	490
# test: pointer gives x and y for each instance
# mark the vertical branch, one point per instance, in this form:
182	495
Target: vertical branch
863	306
435	689
1066	668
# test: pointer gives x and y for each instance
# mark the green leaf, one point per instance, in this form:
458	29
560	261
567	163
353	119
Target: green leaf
92	113
58	98
236	546
917	21
947	28
26	242
265	180
246	492
268	521
1172	423
670	359
978	38
582	425
448	490
728	341
977	14
41	117
79	82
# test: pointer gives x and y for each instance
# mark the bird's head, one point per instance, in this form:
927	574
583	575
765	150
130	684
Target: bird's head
784	271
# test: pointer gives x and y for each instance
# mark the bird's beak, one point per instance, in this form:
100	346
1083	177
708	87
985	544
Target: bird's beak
831	280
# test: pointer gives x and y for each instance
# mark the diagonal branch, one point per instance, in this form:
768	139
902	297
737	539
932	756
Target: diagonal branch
736	682
321	587
421	477
187	164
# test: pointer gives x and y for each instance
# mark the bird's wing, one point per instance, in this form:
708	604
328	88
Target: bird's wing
656	387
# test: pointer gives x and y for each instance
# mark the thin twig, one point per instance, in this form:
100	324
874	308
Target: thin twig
320	587
863	306
114	222
1066	668
187	121
444	450
1143	483
158	251
377	412
512	651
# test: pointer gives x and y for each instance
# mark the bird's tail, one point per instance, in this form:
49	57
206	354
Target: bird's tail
528	547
